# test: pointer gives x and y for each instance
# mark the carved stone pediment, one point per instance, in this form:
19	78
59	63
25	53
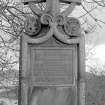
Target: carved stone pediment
47	25
51	21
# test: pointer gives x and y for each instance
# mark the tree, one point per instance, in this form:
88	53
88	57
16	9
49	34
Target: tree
93	14
95	88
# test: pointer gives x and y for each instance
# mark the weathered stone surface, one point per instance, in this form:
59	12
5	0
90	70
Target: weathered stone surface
53	65
53	96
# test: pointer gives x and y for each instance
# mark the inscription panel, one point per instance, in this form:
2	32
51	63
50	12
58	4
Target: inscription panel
53	66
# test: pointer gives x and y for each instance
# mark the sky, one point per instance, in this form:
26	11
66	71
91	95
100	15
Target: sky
100	53
96	39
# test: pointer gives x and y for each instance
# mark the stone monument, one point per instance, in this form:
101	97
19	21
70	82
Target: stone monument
52	68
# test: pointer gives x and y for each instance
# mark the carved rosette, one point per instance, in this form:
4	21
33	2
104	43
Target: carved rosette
72	27
32	25
51	21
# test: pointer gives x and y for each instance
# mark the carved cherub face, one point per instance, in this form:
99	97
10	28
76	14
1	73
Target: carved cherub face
32	25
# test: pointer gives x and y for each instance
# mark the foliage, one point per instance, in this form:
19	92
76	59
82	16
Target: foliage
95	89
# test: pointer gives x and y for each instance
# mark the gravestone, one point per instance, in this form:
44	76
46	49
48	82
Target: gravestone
52	68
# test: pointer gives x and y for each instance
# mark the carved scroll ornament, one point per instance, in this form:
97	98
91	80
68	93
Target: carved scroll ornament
46	19
64	27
